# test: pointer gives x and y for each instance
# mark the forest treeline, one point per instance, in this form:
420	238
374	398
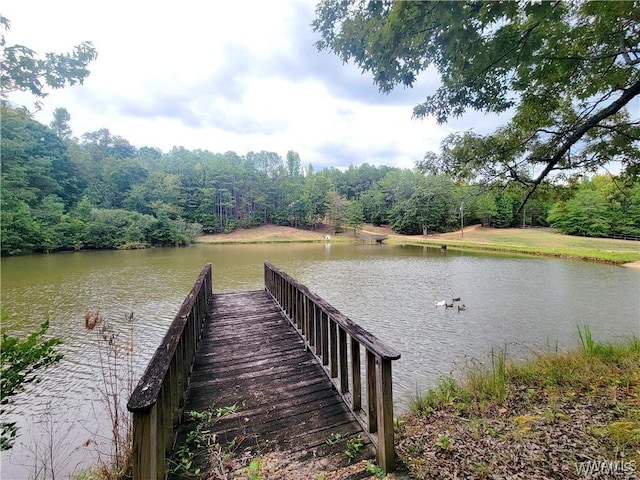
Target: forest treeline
100	192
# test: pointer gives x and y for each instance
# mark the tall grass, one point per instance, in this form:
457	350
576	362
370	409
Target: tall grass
117	370
590	366
488	384
448	392
586	340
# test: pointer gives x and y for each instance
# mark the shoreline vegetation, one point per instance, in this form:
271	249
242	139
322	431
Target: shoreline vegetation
527	241
573	414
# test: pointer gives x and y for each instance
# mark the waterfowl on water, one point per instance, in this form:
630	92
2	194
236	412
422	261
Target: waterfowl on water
448	305
456	299
461	308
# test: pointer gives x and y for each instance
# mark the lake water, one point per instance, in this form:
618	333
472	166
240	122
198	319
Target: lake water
522	304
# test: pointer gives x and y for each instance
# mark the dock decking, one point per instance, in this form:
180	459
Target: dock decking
277	373
251	356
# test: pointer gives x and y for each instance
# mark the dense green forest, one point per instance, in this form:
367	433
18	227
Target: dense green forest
100	192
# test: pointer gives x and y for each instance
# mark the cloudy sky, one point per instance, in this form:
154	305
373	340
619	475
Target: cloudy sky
242	76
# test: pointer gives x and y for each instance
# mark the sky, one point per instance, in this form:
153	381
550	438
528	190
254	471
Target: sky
227	76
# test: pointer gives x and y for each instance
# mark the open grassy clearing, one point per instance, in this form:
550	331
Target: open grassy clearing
536	241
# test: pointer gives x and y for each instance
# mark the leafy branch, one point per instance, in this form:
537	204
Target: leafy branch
22	361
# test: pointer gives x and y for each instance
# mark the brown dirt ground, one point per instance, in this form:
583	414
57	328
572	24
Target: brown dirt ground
267	233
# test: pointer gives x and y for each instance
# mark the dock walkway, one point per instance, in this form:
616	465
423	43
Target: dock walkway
277	375
250	356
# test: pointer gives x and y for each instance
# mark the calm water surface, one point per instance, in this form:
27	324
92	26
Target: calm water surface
519	303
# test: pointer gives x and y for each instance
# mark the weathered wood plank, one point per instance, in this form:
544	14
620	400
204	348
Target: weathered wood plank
356	331
158	397
250	353
302	384
335	330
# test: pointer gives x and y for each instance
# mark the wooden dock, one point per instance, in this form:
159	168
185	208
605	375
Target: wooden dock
275	374
250	356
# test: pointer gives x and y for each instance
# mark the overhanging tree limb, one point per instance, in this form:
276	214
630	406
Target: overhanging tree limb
593	121
23	70
564	71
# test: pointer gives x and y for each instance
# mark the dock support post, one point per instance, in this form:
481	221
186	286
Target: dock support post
148	455
384	394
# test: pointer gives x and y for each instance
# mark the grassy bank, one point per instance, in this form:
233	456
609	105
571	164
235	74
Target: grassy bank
558	415
532	241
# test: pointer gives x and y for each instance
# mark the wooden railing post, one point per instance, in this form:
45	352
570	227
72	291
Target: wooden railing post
318	325
159	396
325	338
384	399
333	348
372	398
311	315
145	444
356	385
306	315
342	360
299	313
329	332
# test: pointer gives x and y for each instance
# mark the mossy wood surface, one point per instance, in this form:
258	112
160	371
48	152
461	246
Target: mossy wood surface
250	355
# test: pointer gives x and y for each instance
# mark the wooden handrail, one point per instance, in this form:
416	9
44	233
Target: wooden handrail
159	396
331	334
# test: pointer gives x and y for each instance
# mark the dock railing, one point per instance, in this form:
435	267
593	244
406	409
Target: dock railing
157	400
332	336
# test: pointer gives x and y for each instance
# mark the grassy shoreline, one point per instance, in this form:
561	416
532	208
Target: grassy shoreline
556	415
535	242
616	258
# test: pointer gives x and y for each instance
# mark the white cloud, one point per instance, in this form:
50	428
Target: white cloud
222	76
